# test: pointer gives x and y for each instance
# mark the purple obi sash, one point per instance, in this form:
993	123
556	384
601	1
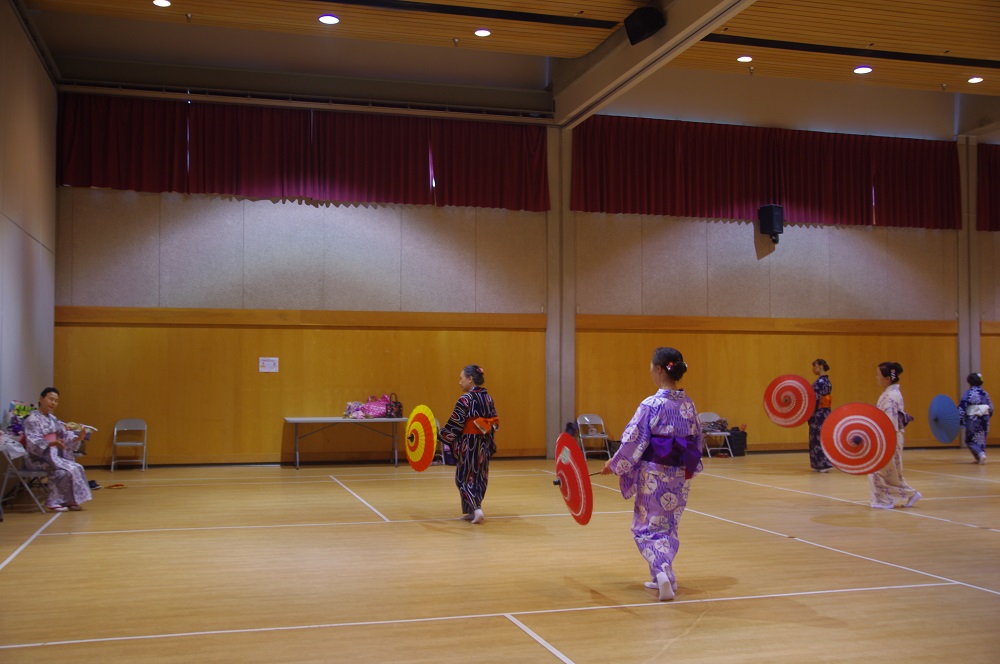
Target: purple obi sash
676	451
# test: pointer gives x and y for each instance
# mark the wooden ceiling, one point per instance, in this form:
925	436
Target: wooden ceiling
920	44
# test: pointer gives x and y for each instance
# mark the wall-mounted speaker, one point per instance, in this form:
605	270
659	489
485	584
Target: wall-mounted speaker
643	24
772	221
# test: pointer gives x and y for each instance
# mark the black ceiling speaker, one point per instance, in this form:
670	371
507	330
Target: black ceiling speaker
772	221
643	24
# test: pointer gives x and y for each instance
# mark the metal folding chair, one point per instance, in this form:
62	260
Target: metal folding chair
714	434
129	433
31	481
591	429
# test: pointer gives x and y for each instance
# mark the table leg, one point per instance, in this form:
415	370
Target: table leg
296	446
395	444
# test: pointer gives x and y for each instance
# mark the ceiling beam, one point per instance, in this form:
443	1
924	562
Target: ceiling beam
585	85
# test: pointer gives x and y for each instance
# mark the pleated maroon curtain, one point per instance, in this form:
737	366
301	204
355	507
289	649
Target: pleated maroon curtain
367	158
122	143
490	164
625	166
988	186
823	178
663	167
916	183
250	151
723	171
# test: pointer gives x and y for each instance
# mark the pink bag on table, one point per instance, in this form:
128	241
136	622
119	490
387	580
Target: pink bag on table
376	407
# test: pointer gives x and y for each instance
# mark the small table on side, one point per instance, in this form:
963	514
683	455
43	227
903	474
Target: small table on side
328	422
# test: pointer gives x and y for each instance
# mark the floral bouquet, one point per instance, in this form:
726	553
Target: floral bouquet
14	417
354	411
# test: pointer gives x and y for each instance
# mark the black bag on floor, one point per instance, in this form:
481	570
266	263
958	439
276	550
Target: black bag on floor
738	441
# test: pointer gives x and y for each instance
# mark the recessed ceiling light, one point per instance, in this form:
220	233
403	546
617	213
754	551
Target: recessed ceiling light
744	58
863	69
161	3
329	19
482	32
976	79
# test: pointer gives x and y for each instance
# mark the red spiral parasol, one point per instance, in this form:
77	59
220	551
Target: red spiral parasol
574	481
858	438
421	438
788	400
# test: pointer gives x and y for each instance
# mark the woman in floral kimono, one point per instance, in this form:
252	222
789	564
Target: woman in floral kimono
469	434
660	452
50	448
822	388
975	410
888	488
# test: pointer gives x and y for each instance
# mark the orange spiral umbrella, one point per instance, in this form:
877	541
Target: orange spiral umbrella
858	438
573	479
788	400
421	438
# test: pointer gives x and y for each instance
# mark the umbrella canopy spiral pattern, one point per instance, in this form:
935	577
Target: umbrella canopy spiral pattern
574	480
788	400
421	438
858	438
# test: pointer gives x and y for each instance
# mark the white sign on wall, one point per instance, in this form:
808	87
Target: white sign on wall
268	365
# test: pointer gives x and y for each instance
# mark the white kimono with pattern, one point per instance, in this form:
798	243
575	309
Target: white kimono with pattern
888	488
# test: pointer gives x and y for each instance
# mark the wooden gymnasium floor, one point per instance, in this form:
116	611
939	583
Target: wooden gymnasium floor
371	564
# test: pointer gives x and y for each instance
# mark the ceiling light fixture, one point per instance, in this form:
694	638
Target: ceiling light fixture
976	79
161	3
744	58
329	19
482	32
863	69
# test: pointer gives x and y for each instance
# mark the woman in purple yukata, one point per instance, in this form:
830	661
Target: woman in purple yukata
50	448
888	488
975	410
469	433
660	452
822	388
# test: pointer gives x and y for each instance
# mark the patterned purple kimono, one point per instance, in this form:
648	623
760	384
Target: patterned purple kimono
67	483
660	451
817	457
472	451
977	425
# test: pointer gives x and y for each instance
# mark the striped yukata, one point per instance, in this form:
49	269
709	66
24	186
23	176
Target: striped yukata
472	451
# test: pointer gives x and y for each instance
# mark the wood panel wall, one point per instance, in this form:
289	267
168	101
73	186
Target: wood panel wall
193	376
731	362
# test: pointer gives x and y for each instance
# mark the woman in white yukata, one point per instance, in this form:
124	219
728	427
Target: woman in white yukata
888	488
660	452
50	448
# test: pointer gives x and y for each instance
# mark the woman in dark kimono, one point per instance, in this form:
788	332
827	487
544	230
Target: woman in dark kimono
975	410
822	388
469	434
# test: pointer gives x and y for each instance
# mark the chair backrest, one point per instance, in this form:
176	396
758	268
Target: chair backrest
130	425
590	425
707	418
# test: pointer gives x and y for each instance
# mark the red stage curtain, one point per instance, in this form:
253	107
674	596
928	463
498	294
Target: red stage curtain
367	158
249	150
490	164
988	186
664	167
916	183
823	178
122	143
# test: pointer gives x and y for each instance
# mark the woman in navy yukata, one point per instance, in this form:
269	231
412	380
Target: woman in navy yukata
975	410
469	434
822	388
660	452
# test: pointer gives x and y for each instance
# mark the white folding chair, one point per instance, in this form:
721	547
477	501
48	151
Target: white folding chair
590	429
31	481
709	435
129	433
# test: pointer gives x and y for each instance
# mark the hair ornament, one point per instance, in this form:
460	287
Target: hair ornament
670	365
482	372
892	374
